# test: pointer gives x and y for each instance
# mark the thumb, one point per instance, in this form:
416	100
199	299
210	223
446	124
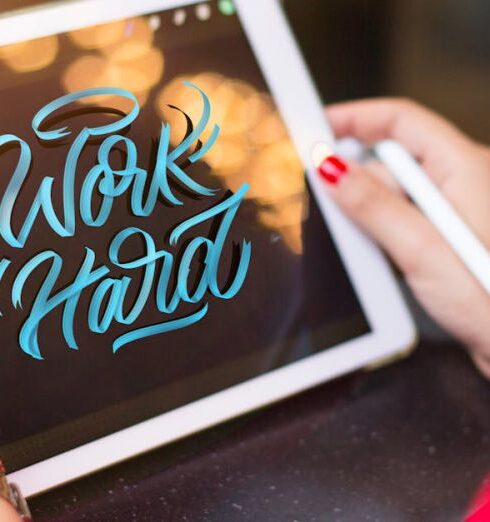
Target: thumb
385	215
7	512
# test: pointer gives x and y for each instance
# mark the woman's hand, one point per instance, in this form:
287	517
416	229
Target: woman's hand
461	169
7	512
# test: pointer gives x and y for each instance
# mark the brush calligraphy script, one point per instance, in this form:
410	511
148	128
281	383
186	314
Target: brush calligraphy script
108	303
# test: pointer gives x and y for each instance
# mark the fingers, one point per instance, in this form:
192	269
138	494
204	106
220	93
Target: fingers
434	141
378	171
7	512
437	277
412	125
482	361
386	216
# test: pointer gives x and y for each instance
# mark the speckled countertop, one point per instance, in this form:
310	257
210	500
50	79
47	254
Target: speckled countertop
409	442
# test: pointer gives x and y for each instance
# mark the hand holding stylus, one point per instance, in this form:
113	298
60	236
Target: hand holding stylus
13	507
7	512
460	168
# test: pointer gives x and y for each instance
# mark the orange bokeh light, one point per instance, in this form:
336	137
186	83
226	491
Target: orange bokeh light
253	147
32	55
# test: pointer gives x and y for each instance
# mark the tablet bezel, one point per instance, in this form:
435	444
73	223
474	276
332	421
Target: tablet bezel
393	330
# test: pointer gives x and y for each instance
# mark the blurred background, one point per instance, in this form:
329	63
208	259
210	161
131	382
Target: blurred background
434	51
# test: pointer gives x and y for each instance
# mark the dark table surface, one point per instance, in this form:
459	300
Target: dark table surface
407	442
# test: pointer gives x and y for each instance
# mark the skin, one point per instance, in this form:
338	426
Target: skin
7	512
460	167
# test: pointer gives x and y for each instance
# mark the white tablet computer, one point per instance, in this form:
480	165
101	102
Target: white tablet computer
316	299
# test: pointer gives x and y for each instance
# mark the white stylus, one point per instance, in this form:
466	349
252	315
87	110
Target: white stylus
438	210
425	194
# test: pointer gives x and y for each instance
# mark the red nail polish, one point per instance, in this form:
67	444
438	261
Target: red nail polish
332	169
480	509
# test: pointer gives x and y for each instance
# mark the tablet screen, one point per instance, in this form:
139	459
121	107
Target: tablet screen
296	298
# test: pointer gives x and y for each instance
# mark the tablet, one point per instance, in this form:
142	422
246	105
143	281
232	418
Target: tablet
299	296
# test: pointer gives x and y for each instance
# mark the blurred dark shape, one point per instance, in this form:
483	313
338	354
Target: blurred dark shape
10	5
344	43
436	52
466	20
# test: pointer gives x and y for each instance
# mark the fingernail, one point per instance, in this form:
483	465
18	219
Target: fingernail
480	509
332	168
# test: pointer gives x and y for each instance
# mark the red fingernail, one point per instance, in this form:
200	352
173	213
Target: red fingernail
480	509
332	168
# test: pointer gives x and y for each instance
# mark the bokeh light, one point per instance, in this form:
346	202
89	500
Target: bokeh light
253	147
31	55
99	36
137	39
119	54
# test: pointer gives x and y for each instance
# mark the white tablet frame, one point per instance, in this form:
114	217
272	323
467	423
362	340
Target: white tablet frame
291	85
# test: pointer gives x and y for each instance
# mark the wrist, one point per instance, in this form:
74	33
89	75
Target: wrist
482	362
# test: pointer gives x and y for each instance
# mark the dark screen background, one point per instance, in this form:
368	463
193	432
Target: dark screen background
291	305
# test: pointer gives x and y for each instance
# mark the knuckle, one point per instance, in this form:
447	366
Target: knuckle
364	197
485	151
404	103
421	246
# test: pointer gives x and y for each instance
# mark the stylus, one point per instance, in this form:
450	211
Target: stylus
424	193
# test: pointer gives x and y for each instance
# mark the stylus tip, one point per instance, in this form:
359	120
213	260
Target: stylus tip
320	152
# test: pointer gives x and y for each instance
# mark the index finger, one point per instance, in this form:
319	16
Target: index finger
422	132
7	512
